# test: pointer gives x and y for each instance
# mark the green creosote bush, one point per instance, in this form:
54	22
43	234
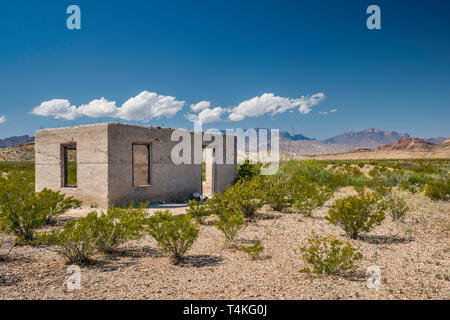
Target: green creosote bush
247	170
230	224
119	225
175	234
24	211
230	220
396	207
255	250
197	211
438	189
79	239
356	214
329	255
308	197
76	241
56	203
275	192
246	196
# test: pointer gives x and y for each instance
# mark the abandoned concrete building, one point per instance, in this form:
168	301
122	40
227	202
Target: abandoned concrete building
114	164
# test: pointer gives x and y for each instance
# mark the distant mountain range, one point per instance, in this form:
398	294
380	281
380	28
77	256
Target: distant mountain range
366	139
15	141
369	139
300	144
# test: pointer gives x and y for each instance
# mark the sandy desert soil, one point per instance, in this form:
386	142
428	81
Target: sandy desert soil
413	257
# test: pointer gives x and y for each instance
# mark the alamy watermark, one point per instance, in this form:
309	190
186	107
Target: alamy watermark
374	277
374	20
251	144
73	22
73	282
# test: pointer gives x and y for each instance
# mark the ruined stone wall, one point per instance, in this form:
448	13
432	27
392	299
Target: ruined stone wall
92	161
105	165
225	174
168	181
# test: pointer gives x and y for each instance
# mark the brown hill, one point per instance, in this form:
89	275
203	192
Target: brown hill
17	154
410	144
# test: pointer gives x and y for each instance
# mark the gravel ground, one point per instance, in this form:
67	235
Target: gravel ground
413	257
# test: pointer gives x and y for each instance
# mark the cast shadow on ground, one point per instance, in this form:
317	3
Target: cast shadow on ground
9	280
374	239
201	260
267	216
139	252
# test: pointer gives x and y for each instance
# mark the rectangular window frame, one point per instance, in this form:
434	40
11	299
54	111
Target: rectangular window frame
65	164
149	164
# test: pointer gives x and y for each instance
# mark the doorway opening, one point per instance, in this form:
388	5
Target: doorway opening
208	171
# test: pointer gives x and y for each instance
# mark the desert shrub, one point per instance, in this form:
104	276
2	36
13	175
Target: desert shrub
76	241
246	196
356	214
275	192
309	171
119	225
379	172
230	224
247	170
22	166
255	250
197	211
56	204
329	255
3	239
175	234
396	207
24	211
313	171
438	189
309	196
220	204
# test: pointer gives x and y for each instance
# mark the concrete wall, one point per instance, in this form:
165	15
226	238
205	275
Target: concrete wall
105	164
168	181
92	161
225	173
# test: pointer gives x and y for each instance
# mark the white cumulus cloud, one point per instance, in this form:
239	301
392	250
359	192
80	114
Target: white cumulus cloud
2	119
98	108
269	103
58	108
202	105
207	115
149	105
144	107
323	112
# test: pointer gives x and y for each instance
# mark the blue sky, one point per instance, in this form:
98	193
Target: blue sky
138	54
